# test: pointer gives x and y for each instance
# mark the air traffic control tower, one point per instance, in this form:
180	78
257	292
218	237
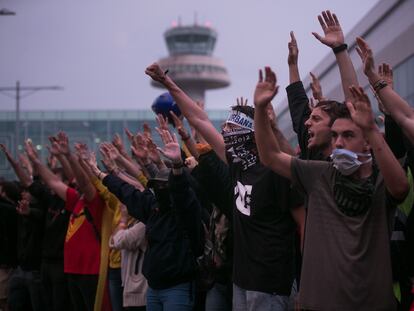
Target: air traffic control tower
191	63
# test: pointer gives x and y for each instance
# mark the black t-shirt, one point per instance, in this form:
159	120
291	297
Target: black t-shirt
264	246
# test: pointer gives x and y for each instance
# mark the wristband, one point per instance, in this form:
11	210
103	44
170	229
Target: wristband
380	84
340	48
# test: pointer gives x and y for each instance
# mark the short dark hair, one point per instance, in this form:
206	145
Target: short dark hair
247	110
334	109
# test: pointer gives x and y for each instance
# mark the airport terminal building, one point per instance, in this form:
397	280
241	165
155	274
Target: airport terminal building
389	29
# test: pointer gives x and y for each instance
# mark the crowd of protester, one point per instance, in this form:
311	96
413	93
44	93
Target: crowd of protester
230	220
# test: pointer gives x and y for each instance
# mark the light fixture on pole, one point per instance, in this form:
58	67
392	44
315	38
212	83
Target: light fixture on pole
29	91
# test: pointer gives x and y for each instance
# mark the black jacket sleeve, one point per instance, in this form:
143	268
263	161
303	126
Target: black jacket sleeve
299	112
214	176
139	204
188	209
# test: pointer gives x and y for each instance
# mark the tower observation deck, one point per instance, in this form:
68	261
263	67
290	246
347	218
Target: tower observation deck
191	64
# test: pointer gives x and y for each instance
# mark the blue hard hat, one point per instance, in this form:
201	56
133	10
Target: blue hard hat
165	103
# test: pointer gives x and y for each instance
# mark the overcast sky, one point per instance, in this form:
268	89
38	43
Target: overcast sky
98	49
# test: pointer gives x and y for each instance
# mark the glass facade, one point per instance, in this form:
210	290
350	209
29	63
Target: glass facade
90	127
404	79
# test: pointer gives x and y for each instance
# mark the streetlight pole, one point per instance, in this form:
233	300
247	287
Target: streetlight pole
30	90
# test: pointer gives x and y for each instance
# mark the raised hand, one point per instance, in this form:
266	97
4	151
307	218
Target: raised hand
266	89
179	125
6	152
54	148
316	88
331	28
30	151
129	134
162	122
360	109
63	141
52	161
365	52
293	50
385	72
139	147
171	148
106	159
23	206
118	143
82	151
153	153
241	101
147	130
155	72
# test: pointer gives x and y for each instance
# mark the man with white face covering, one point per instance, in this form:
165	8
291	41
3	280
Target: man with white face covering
346	258
263	226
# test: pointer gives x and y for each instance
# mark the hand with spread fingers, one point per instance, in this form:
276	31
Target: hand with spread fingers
147	130
63	142
332	30
139	147
162	122
293	50
367	57
81	150
266	89
107	161
316	88
360	109
171	148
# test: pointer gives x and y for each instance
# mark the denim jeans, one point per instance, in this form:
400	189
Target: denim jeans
175	298
218	298
115	288
248	300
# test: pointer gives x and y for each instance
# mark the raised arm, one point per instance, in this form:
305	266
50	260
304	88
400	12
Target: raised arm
334	38
82	179
186	137
269	150
283	142
293	59
50	179
55	150
395	179
297	99
316	88
195	115
24	178
398	108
